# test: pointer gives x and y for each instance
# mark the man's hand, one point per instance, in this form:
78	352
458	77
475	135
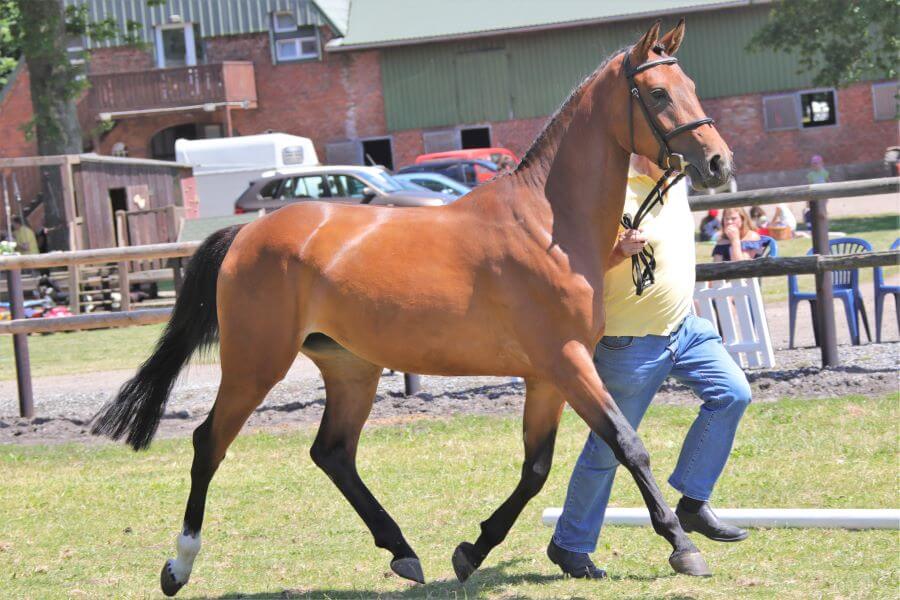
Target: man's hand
631	241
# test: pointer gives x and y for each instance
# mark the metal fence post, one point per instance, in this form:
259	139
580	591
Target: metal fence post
412	382
824	293
20	344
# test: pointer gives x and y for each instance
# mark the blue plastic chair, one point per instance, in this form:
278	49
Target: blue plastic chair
845	285
881	291
770	246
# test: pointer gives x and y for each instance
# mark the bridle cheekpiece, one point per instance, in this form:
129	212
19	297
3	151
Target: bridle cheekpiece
643	264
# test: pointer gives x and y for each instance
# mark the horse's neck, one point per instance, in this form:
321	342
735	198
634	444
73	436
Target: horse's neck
581	175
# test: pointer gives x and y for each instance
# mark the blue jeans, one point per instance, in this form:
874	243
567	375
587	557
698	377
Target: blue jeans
632	370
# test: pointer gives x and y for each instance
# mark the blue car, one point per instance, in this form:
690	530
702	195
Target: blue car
436	183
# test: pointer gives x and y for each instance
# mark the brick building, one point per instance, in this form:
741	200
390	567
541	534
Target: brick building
392	79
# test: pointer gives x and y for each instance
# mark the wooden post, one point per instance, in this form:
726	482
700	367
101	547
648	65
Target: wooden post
177	275
229	126
824	293
20	344
74	290
124	287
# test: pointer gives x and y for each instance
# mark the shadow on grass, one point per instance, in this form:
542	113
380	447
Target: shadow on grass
486	581
851	225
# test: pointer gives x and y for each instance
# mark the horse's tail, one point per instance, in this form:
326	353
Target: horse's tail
141	400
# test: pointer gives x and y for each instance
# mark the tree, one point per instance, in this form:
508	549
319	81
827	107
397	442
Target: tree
842	41
9	45
40	29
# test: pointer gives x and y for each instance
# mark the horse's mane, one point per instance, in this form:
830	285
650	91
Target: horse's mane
561	118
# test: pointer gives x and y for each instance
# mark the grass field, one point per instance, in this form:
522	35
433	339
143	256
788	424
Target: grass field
98	522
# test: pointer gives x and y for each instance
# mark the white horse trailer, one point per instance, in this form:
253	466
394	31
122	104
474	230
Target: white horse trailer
224	167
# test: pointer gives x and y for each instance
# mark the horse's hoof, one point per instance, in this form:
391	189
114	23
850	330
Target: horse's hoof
167	581
408	568
464	561
689	562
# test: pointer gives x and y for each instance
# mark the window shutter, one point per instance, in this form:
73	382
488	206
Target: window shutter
440	141
884	100
781	112
344	153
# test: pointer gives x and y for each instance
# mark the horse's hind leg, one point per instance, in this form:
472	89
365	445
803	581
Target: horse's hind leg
254	359
543	409
350	384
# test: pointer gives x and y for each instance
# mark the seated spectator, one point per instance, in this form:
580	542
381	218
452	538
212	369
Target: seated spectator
760	220
710	226
739	240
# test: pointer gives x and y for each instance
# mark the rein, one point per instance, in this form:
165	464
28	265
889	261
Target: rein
643	264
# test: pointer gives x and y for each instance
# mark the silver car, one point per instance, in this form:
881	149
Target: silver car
347	184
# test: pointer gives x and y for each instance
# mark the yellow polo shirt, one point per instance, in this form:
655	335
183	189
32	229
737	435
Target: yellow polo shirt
663	305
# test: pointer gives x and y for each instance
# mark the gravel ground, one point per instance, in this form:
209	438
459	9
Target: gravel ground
65	405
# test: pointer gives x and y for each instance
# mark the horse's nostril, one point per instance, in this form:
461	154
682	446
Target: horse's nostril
714	166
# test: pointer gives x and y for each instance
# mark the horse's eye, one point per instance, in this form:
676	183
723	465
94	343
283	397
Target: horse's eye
659	95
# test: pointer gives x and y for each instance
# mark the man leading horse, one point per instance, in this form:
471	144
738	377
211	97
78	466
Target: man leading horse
508	280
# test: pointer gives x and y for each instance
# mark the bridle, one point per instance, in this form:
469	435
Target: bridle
643	264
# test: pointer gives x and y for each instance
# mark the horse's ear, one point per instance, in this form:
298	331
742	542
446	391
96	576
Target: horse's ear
641	50
672	40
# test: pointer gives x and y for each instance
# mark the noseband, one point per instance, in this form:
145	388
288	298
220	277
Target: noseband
643	263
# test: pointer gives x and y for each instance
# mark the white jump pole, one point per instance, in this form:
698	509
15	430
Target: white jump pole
824	518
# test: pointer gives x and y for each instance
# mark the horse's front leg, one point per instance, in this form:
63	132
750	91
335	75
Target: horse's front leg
543	408
576	376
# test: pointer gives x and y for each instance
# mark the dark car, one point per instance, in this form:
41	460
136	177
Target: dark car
467	171
346	184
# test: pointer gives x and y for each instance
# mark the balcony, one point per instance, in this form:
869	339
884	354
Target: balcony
227	84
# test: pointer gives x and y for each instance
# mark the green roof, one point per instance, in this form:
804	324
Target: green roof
195	230
374	23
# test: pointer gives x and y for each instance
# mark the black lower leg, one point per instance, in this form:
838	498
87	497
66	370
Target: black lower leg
202	471
630	451
468	557
340	467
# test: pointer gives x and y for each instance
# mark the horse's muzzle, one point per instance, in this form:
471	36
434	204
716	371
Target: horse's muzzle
710	172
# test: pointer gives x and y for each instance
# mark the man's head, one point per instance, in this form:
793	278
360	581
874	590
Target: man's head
16	223
817	161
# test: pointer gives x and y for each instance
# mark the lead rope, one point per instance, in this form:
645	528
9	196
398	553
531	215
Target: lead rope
643	264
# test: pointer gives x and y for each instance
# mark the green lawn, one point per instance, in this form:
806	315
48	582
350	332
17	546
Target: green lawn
88	351
98	522
878	230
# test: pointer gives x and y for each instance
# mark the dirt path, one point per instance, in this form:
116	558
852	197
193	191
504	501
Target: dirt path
65	405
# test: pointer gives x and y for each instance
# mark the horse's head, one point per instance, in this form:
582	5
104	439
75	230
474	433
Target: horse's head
661	117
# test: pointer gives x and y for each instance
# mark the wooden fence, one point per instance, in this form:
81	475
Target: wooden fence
818	264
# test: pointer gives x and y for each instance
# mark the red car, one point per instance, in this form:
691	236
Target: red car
498	156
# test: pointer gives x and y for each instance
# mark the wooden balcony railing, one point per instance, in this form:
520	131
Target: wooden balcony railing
173	88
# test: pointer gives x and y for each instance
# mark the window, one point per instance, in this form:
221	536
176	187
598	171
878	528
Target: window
378	152
818	108
294	188
178	45
476	137
346	186
884	101
268	190
292	42
800	110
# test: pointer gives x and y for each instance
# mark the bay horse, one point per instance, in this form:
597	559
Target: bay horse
508	280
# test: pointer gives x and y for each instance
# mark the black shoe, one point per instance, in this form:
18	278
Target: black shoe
705	522
574	564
